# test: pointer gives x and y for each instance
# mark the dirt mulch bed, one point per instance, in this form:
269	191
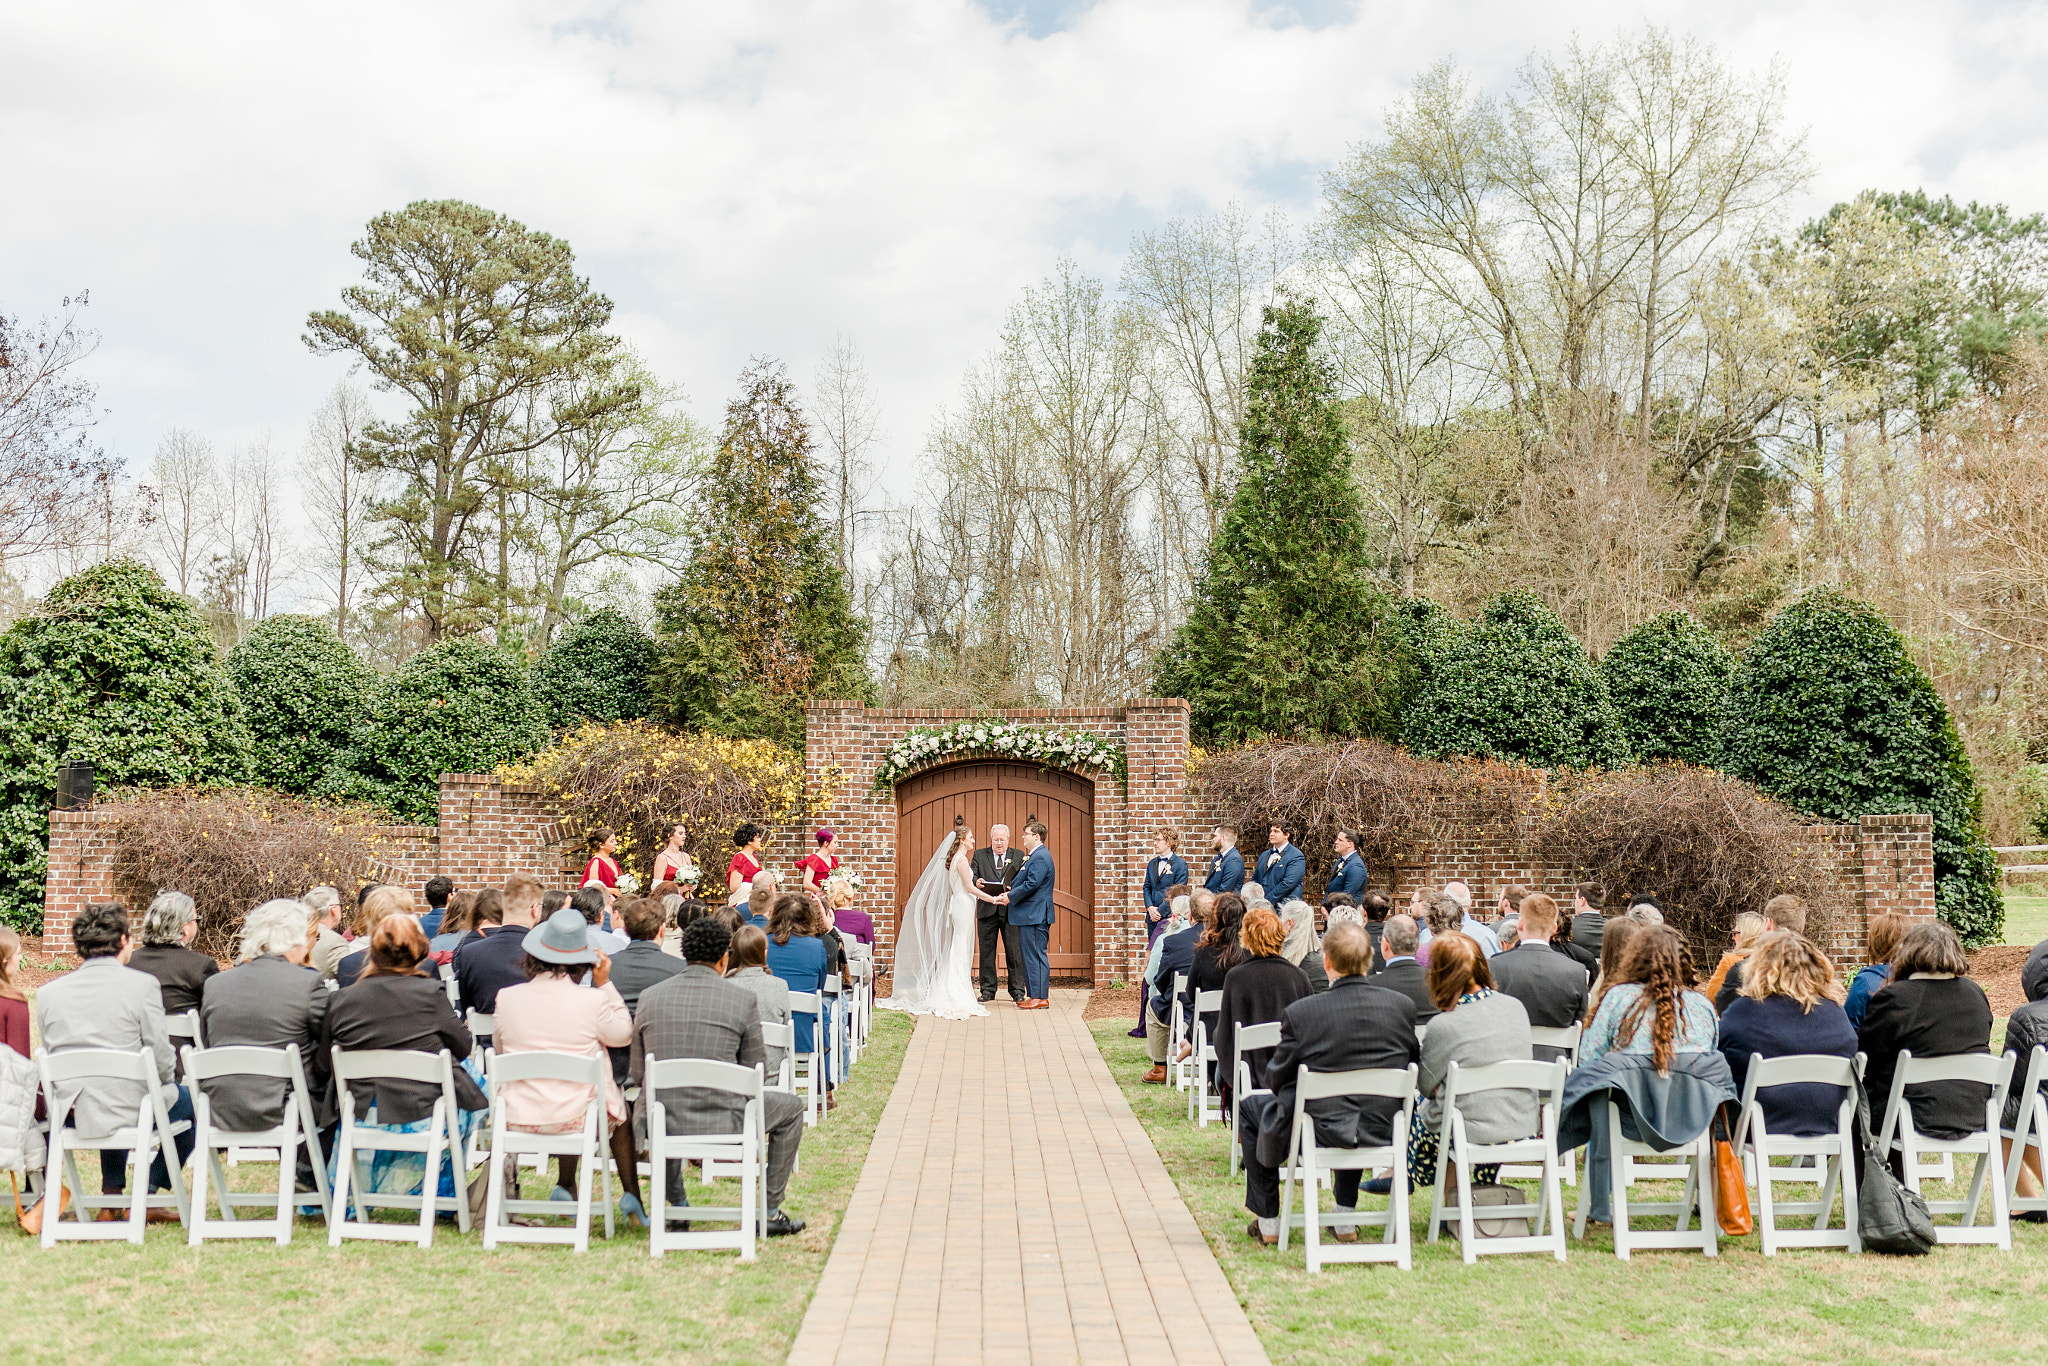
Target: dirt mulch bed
1997	970
1112	1003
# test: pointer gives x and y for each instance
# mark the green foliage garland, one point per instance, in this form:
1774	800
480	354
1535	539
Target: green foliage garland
1829	713
597	671
303	690
116	669
1668	681
1052	748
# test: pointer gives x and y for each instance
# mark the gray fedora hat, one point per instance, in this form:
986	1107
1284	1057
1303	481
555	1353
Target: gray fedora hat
561	938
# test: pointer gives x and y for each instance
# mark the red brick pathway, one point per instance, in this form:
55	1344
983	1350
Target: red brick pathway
1012	1210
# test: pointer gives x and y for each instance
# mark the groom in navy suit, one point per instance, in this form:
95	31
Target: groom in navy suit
1030	913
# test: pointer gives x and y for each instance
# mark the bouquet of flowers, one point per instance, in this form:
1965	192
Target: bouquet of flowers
628	883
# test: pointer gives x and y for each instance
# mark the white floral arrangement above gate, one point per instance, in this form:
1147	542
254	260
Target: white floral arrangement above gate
1052	748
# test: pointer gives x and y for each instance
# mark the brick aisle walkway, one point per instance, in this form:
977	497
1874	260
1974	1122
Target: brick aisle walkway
1012	1210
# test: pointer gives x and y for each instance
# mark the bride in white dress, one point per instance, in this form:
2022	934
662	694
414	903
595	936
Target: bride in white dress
933	973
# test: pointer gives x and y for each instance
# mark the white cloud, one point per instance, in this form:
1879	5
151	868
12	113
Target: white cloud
754	178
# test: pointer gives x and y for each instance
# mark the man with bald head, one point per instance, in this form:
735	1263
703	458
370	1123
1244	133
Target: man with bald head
994	867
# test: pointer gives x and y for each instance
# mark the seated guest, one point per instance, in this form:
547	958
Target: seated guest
1376	909
1402	972
797	954
1470	925
1932	1009
1216	953
593	904
552	1012
107	1004
1742	935
1445	917
2025	1029
1589	920
1644	1006
485	965
14	1015
761	901
456	923
1301	947
1256	990
168	927
437	891
1474	1025
330	947
270	998
698	1014
1169	921
1172	954
1644	910
380	903
1614	939
845	918
1552	988
1508	906
1782	912
641	963
394	1004
1886	930
1790	1003
747	966
1354	1025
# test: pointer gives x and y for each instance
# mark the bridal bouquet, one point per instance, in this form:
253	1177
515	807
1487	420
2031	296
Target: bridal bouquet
628	883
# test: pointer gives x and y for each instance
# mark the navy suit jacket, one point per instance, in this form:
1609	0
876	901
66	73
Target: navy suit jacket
1156	881
1348	877
1280	873
1226	872
1031	890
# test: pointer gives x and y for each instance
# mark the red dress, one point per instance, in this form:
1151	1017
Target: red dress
743	863
603	870
817	864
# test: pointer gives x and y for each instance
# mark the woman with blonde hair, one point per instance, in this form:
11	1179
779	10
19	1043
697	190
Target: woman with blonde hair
1743	934
845	918
14	1031
1790	1003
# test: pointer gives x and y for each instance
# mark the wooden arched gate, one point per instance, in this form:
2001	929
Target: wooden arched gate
987	792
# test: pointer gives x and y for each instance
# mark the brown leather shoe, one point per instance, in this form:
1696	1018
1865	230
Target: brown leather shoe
1252	1229
161	1216
1156	1077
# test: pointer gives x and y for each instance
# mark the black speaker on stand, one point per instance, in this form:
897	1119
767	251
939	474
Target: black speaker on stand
75	783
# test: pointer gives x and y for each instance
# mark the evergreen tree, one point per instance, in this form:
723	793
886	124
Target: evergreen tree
303	691
1514	685
115	669
1829	713
760	620
1668	680
597	671
1286	634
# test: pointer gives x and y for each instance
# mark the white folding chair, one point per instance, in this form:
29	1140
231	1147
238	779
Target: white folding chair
448	984
1567	1038
810	1066
1204	1101
834	997
151	1130
782	1079
1308	1162
1545	1081
1179	1070
296	1125
1250	1038
859	968
1899	1132
2029	1127
1631	1161
184	1028
508	1144
1834	1155
441	1138
746	1150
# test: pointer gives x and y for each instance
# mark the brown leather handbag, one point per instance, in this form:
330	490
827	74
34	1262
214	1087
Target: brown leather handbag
1731	1192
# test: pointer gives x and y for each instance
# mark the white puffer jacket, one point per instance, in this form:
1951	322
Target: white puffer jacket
21	1141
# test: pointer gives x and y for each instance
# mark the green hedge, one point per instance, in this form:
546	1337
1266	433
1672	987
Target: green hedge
303	691
597	671
1668	681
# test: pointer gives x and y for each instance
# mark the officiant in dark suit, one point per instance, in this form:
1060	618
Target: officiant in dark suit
993	868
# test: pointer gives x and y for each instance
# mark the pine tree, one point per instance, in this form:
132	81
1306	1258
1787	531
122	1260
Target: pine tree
1286	634
760	620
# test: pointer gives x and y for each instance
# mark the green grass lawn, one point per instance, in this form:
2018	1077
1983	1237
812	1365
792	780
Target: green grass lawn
1977	1304
257	1302
2026	919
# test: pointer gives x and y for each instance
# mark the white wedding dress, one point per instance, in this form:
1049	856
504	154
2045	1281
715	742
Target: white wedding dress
933	972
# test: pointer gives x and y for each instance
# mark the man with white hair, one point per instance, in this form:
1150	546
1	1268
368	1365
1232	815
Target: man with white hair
1478	930
270	998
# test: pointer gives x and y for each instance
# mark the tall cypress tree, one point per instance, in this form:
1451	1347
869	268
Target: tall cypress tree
760	619
1287	634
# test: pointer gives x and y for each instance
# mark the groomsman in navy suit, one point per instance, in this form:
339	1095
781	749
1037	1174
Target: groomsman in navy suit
1166	868
1226	870
1281	868
1031	911
1349	876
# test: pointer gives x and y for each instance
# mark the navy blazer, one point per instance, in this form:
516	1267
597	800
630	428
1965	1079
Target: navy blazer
1031	890
1163	871
1348	877
1280	873
1226	872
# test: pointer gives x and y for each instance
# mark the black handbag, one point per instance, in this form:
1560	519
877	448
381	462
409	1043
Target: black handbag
1889	1218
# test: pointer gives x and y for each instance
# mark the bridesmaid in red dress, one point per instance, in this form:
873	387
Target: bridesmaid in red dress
747	862
603	868
819	867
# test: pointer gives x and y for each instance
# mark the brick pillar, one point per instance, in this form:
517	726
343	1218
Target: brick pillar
1155	798
841	752
1895	855
80	871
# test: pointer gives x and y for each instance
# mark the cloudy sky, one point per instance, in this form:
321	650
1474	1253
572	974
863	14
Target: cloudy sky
756	178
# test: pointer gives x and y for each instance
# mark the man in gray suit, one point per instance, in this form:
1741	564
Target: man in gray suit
698	1014
107	1004
269	999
